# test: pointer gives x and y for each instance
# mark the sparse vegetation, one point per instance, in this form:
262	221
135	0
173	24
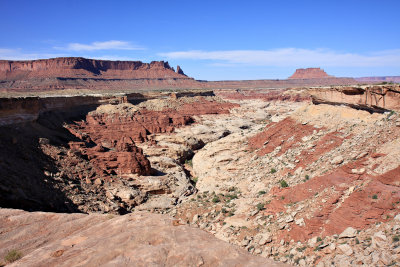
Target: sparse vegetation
301	249
375	196
395	238
12	255
216	199
273	170
283	183
189	162
260	206
307	177
231	196
262	192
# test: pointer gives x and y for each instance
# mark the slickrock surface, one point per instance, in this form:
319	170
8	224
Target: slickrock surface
309	73
137	239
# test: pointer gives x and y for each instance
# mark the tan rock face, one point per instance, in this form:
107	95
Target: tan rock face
137	239
373	98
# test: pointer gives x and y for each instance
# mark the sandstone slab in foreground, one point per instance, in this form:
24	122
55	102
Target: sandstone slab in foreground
136	239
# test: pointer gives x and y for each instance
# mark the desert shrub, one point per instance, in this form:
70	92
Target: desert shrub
273	170
260	206
232	196
216	199
375	197
13	255
283	183
262	192
189	162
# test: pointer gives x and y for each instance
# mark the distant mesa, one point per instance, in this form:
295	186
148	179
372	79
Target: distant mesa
77	67
310	73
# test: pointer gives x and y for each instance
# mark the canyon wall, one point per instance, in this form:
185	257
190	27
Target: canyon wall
372	98
76	67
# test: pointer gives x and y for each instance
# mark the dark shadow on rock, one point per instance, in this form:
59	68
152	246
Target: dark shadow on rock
26	173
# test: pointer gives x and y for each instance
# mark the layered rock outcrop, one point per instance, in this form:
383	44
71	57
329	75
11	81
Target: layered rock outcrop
310	73
373	98
77	67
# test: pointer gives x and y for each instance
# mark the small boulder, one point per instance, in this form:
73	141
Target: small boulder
337	160
345	249
349	232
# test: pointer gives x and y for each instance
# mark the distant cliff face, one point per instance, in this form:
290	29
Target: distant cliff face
310	73
76	67
379	79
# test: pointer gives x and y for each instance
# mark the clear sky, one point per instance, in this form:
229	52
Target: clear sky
212	40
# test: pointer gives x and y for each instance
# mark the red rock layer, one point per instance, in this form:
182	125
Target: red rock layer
337	211
309	73
124	158
279	134
341	198
76	67
114	135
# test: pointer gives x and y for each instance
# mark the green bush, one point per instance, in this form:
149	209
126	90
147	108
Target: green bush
273	170
284	184
232	196
260	206
375	197
216	199
262	192
13	255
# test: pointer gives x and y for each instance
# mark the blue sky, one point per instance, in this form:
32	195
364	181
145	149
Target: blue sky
212	40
